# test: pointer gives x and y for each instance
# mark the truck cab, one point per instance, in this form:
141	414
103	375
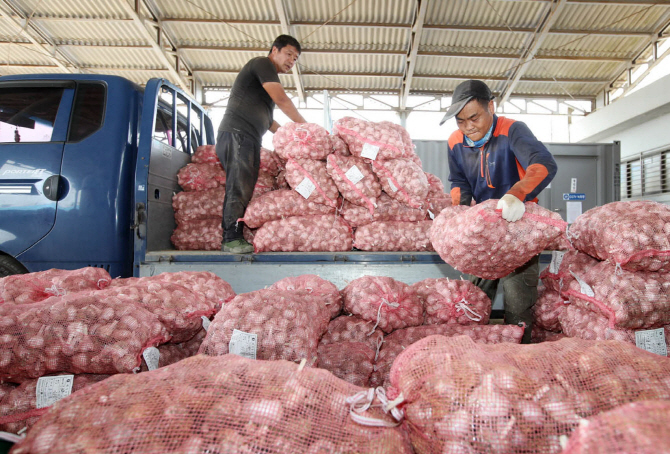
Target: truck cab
86	161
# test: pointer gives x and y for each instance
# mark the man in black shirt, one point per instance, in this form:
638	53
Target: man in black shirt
248	117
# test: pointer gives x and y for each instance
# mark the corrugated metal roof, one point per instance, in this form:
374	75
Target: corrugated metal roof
361	11
222	34
610	17
94	31
486	13
352	63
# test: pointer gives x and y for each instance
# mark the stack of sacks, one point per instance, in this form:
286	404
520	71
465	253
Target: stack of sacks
199	209
627	295
95	327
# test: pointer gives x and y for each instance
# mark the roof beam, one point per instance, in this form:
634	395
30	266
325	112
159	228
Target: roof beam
22	26
286	29
529	54
646	72
158	49
415	42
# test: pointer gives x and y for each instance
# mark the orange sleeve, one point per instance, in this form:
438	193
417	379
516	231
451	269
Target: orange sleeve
535	174
456	196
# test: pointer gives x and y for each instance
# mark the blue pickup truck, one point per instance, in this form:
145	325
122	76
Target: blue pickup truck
86	163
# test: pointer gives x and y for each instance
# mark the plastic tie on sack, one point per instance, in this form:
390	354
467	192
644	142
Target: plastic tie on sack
362	401
380	341
301	138
618	271
379	312
462	305
55	291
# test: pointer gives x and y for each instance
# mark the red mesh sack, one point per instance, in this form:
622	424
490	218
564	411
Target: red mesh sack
196	205
562	243
635	234
80	333
479	241
558	275
399	340
326	291
447	300
436	204
638	427
351	361
264	184
351	328
389	303
301	141
281	180
310	175
394	236
338	146
511	399
538	335
388	209
179	309
288	324
322	233
281	204
435	186
248	234
403	180
198	177
222	405
382	140
200	235
547	309
172	353
345	171
33	287
583	323
18	410
205	154
628	299
270	162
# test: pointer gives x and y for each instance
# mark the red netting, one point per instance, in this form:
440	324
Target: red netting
196	205
270	162
351	361
200	235
435	186
351	328
628	299
389	303
304	234
338	146
363	192
327	292
172	353
538	335
315	174
547	309
447	300
205	154
392	140
394	236
222	405
264	184
403	180
281	180
510	398
18	409
396	342
634	234
80	333
301	141
479	241
558	275
438	203
280	204
33	287
289	324
388	209
198	177
638	427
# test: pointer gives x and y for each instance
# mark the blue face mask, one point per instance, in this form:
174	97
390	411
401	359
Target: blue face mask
481	141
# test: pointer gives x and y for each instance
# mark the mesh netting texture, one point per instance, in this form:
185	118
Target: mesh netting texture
305	234
452	301
33	287
394	236
301	141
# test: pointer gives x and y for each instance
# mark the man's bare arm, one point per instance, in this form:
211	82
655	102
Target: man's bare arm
274	127
278	95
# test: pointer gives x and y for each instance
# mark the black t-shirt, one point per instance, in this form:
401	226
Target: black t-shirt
250	107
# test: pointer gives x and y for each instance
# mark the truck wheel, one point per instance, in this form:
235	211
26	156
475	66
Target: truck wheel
9	266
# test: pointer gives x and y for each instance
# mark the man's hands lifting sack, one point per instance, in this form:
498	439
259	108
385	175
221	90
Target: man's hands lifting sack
512	208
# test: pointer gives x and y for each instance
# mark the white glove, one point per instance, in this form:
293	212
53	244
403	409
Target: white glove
512	208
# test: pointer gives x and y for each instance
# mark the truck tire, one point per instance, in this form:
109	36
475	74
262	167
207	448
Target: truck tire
9	266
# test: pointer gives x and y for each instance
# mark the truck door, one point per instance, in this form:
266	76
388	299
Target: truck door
33	125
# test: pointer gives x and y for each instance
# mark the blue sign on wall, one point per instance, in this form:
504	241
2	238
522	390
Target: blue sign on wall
574	196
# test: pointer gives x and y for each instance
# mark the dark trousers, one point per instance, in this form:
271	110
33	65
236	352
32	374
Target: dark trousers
240	156
519	293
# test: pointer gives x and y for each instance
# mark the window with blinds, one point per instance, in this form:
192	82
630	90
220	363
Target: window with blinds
645	174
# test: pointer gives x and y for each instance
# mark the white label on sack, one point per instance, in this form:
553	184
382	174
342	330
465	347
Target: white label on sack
151	356
52	389
243	344
393	187
431	214
205	323
305	188
556	259
583	286
652	340
369	151
354	174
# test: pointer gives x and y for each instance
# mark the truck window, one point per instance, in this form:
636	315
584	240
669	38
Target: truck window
88	113
27	114
163	128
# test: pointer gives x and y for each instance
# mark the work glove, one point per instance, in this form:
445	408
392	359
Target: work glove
512	208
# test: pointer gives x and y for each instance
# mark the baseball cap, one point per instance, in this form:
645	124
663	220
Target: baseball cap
466	91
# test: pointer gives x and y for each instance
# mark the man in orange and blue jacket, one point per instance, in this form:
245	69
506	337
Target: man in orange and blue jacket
493	157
